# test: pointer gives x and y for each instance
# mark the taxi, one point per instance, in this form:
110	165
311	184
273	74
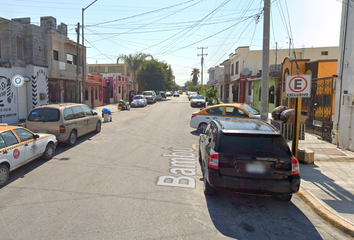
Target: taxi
19	146
227	111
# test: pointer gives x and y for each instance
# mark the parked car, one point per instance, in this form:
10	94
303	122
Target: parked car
163	95
139	101
19	146
150	96
66	121
200	120
168	94
247	156
158	97
198	101
176	94
191	94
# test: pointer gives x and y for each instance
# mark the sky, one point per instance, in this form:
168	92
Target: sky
175	31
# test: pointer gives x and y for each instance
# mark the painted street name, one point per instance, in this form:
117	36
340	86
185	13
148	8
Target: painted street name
184	164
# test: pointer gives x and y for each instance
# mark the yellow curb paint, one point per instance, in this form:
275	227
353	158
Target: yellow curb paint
326	215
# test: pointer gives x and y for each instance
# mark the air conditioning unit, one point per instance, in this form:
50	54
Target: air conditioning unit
347	100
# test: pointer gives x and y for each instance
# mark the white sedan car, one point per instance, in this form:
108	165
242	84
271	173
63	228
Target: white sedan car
19	146
198	101
139	101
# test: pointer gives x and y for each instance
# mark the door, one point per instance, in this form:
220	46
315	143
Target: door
14	152
33	149
232	112
80	117
90	119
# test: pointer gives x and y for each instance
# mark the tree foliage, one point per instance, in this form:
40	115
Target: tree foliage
191	87
195	73
211	93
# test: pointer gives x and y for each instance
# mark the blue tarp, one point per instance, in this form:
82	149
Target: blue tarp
106	110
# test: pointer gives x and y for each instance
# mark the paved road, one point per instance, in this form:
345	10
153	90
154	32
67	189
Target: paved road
109	186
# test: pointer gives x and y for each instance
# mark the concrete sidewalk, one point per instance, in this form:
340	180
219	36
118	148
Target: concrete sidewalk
327	186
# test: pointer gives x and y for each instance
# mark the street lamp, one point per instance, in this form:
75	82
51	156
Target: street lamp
82	53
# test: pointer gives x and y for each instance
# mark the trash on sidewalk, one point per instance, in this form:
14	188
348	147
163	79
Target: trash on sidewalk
107	115
306	156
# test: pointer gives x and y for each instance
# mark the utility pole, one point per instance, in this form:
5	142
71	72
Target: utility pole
202	62
265	61
289	47
77	64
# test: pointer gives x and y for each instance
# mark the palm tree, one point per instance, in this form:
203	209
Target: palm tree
195	74
134	63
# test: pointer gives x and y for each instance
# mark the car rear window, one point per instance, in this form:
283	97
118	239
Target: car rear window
147	93
44	115
254	145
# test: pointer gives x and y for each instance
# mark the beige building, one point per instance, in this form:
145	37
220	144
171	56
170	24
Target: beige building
245	65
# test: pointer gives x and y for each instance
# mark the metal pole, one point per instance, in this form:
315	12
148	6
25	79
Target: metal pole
202	61
77	98
83	54
265	61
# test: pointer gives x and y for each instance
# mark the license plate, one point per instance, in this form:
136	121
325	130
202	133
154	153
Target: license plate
255	168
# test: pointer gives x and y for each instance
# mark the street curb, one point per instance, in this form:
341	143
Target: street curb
326	215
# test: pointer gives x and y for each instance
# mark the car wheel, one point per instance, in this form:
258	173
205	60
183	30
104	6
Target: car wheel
49	151
283	197
208	190
4	174
98	127
202	127
72	138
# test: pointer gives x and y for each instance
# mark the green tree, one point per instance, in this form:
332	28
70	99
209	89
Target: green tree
195	73
134	62
211	94
191	87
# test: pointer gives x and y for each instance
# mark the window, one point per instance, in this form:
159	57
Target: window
70	59
68	114
249	88
55	55
96	95
20	48
78	111
232	69
0	48
9	138
231	111
2	143
236	68
260	94
87	110
324	53
215	111
271	95
44	115
23	134
119	89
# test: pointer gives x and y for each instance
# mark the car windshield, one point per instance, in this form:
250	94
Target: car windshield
254	145
44	115
250	110
198	97
147	93
138	97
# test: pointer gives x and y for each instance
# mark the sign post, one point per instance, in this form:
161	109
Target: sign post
298	87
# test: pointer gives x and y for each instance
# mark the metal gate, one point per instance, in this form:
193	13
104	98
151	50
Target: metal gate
319	108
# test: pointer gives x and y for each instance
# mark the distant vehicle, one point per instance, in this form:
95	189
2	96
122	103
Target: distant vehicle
158	97
247	156
191	94
168	94
139	101
150	96
20	146
163	95
66	121
176	94
181	92
198	101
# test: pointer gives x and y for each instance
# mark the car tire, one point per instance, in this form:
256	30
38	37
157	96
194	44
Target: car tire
208	190
283	197
98	127
72	138
4	174
49	151
202	127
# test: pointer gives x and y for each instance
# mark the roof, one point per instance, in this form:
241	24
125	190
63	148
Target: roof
247	126
5	128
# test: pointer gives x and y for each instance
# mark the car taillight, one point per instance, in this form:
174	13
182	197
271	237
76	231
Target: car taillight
295	168
62	129
193	115
214	161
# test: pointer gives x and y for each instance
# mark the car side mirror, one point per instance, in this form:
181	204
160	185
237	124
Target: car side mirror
35	136
95	113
